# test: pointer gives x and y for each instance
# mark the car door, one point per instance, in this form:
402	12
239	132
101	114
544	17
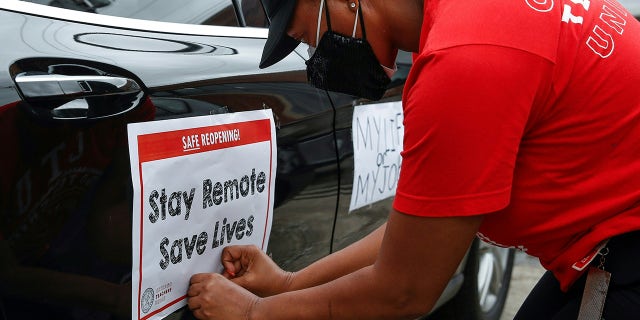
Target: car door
72	75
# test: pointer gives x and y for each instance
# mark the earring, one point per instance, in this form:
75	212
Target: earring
352	4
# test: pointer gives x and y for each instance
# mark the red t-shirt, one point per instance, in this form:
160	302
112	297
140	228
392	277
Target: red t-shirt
527	111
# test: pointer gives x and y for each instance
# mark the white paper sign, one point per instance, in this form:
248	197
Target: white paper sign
200	184
377	142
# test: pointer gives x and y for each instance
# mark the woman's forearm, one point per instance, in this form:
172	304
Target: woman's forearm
354	257
416	260
350	297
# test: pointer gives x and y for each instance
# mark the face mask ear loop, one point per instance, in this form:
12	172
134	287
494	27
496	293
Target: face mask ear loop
355	23
319	21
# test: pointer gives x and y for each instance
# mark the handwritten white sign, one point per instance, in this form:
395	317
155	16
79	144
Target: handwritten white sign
200	184
377	142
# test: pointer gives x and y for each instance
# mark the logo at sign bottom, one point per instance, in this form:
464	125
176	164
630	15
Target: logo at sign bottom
147	300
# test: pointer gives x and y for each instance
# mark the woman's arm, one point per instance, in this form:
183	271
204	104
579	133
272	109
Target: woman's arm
356	256
252	269
417	258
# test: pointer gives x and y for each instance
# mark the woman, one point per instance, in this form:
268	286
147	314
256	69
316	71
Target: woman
521	126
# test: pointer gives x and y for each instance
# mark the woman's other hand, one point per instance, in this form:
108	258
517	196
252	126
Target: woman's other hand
251	268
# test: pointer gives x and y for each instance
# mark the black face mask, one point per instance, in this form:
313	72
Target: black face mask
347	65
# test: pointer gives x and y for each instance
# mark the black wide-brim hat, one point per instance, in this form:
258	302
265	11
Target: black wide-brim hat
279	44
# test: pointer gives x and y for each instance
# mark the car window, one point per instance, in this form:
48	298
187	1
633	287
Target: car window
208	12
632	5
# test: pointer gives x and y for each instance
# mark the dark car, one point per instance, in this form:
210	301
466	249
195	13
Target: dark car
73	73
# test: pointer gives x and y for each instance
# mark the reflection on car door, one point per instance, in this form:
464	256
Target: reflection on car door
65	214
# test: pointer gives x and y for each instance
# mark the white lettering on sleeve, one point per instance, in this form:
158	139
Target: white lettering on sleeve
602	44
540	5
567	16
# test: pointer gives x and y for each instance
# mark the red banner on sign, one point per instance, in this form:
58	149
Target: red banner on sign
163	145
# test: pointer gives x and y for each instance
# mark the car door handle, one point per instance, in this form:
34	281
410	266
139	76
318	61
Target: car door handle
34	86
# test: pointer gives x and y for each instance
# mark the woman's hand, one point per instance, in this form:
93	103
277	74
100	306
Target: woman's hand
211	296
251	268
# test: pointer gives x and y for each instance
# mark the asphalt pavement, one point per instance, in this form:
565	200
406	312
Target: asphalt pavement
526	273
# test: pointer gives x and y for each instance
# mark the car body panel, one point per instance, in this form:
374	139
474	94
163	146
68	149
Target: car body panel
182	75
66	183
